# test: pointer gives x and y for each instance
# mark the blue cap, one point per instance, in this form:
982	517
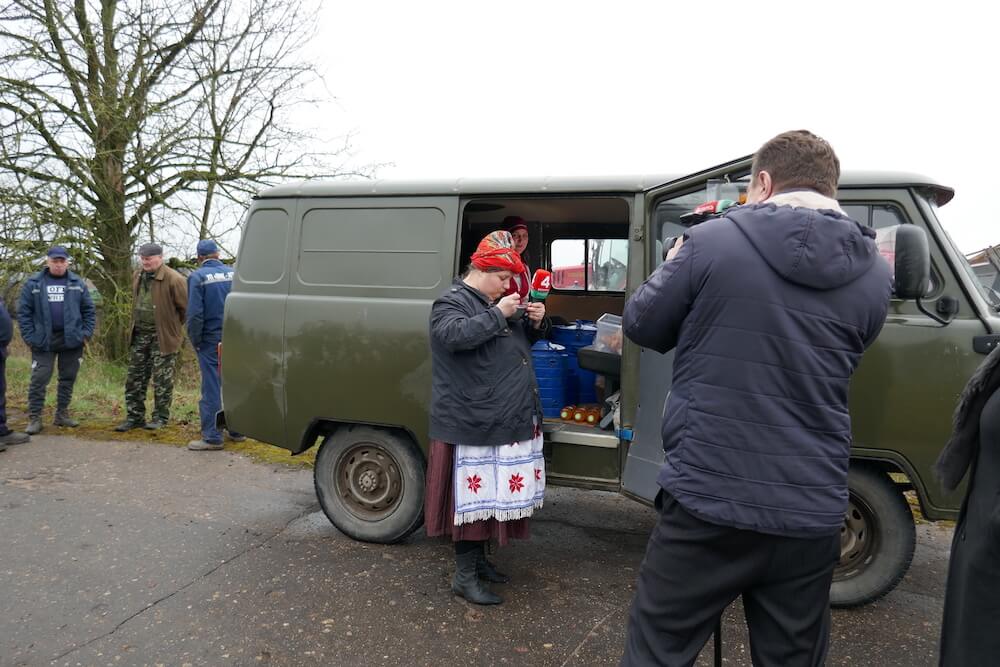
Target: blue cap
58	251
207	247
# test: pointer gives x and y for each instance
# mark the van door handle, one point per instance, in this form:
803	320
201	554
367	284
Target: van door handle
985	344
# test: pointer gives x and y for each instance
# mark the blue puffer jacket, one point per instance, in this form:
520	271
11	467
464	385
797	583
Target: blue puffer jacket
208	288
35	320
770	308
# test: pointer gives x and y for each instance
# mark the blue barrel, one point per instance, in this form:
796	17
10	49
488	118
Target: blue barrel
549	361
580	383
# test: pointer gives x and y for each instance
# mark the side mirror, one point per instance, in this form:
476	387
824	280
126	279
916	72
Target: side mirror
913	273
913	262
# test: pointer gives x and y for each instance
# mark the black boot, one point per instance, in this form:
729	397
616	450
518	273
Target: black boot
467	584
62	418
34	425
486	570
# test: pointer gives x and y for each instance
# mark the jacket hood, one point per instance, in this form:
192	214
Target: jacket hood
807	239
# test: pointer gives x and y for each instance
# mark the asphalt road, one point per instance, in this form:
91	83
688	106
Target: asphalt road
118	553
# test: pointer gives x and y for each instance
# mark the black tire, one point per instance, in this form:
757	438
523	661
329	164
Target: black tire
877	540
370	483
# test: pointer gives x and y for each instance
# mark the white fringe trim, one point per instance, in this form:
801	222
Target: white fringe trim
499	515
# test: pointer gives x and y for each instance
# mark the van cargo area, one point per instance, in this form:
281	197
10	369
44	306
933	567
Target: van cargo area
583	241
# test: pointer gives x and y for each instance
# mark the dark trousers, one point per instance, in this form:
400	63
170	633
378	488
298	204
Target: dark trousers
3	394
694	569
211	392
42	366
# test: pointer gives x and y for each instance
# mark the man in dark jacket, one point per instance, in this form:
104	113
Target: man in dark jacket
208	288
770	308
7	437
56	316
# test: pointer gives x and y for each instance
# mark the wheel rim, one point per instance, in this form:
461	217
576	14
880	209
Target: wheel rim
369	481
858	539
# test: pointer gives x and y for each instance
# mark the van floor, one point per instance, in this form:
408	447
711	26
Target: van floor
557	430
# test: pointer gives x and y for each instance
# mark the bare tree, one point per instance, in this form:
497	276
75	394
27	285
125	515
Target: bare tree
129	119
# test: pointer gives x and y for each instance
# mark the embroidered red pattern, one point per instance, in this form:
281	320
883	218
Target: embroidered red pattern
474	483
516	483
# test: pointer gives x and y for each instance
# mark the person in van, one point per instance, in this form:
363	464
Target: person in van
769	309
57	317
485	471
520	283
968	627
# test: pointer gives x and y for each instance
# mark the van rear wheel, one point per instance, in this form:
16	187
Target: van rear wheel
876	541
370	483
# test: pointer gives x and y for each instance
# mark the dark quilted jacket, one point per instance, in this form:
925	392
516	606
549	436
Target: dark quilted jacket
484	391
769	309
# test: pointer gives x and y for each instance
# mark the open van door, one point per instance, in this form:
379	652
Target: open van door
663	206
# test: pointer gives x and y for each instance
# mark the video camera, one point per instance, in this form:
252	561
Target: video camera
701	213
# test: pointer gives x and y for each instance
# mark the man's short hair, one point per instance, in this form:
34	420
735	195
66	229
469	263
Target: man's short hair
799	160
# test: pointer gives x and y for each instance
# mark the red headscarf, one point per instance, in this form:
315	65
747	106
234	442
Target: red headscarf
496	251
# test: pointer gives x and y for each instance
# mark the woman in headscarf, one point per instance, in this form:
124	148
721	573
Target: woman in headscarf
520	282
972	597
485	471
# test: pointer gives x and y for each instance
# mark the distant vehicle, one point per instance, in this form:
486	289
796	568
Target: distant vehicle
326	340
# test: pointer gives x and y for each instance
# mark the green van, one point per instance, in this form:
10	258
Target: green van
326	339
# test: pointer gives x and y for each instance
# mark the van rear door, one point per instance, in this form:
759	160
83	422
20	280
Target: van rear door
662	207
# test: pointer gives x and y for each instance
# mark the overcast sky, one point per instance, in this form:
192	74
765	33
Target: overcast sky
449	89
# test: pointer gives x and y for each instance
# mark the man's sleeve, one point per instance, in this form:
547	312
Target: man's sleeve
180	298
25	316
195	309
655	312
6	326
87	313
879	315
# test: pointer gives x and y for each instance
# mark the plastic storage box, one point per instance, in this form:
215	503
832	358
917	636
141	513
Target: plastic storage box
609	334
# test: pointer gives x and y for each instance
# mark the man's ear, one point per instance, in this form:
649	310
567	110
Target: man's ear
766	184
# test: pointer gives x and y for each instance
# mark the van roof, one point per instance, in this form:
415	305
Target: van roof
551	185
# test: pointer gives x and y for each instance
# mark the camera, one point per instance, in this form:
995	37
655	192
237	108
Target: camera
701	213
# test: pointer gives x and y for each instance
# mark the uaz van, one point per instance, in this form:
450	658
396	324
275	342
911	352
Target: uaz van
326	339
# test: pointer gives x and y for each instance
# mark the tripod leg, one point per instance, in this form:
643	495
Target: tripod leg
718	643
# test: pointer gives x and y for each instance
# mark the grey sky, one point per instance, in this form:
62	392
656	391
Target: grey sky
448	89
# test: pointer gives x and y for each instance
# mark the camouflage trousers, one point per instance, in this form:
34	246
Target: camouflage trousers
145	362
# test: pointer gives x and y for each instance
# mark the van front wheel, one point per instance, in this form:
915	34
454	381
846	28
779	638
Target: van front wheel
876	540
370	483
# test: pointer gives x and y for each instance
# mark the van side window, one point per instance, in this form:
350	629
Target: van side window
372	247
263	253
605	268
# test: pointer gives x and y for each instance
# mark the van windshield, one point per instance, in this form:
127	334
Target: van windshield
985	281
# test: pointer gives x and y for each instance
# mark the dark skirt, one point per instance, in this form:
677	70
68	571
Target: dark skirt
439	505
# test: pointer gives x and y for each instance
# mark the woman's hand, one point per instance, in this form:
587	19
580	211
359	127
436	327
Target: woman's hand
536	312
508	305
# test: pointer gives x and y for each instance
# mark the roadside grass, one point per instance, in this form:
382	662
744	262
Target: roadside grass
99	404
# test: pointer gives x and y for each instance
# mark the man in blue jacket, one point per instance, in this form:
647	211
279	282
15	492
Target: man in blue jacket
7	437
769	309
56	316
208	288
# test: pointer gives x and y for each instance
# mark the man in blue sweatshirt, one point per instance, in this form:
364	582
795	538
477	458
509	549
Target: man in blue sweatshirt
769	309
7	437
208	288
57	317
